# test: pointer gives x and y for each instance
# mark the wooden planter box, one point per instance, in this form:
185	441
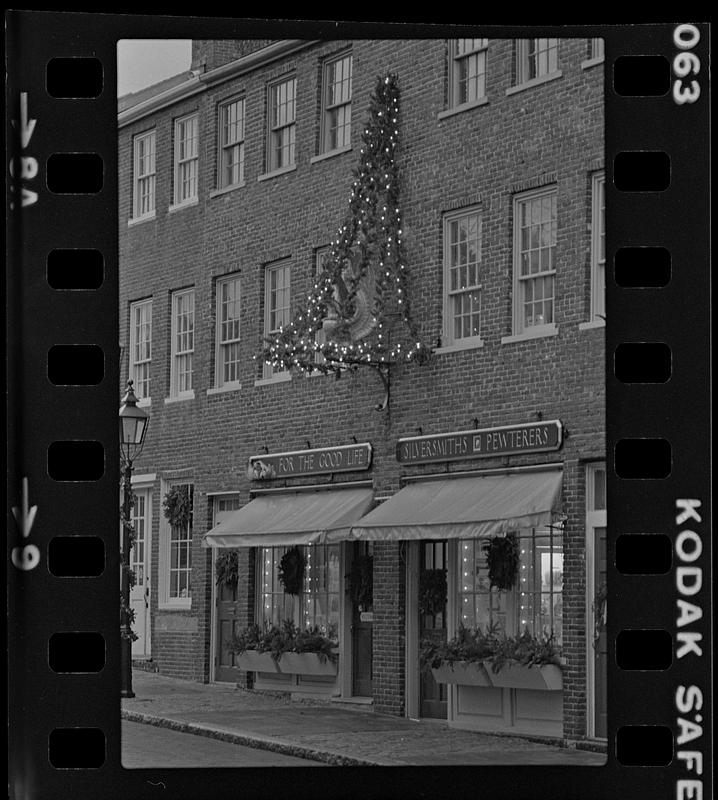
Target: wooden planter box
467	673
306	664
252	661
517	676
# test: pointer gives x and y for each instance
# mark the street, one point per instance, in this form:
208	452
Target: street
151	746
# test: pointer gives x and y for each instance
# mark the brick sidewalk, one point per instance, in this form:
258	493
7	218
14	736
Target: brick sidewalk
318	730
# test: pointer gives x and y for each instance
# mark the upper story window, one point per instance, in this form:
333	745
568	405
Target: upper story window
598	247
595	48
141	347
337	103
282	124
276	304
143	179
182	350
534	260
186	157
462	277
535	58
231	144
228	313
467	74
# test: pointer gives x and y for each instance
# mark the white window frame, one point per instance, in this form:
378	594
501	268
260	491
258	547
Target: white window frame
277	127
524	57
166	601
223	343
186	160
344	106
598	248
478	53
139	362
449	341
144	167
268	372
177	354
226	144
520	330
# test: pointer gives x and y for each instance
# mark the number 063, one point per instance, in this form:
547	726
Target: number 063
686	37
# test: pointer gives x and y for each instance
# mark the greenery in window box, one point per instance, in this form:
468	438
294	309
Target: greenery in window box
432	591
502	555
177	506
227	569
599	612
286	638
291	570
361	582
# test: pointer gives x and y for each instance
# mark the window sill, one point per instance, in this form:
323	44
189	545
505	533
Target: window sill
185	204
280	377
593	324
450	112
592	62
230	387
330	154
536	332
185	604
180	397
226	189
139	220
275	173
457	347
144	402
535	82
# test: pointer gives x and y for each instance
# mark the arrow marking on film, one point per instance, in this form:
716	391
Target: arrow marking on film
25	516
27	126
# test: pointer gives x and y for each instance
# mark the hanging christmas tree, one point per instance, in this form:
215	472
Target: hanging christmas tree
358	312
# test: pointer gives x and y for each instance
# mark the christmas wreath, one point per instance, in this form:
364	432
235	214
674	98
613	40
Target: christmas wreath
177	506
291	570
502	555
361	582
432	591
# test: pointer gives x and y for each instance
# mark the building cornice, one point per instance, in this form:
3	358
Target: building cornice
201	82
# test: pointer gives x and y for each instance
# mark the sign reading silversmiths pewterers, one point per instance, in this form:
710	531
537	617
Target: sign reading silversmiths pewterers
346	458
533	437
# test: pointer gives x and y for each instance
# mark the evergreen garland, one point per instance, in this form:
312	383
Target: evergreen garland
502	555
367	255
291	570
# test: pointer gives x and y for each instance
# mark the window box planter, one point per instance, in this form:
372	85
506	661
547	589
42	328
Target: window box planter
516	676
467	673
306	664
252	661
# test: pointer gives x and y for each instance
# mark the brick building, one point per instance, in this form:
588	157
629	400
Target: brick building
233	181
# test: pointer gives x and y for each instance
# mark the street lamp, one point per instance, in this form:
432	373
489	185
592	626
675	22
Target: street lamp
133	427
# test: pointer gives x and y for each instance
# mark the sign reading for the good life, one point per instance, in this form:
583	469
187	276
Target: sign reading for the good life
347	458
532	437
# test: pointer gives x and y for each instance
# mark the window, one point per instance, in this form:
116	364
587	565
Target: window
179	571
143	180
231	144
595	48
467	73
228	312
462	277
535	58
276	305
534	260
142	522
596	570
319	602
281	124
336	103
598	247
540	605
181	383
141	347
480	604
186	159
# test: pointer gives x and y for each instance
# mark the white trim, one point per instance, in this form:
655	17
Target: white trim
132	221
453	66
226	190
173	208
185	119
280	377
534	332
143	478
222	147
450	112
463	344
324	106
218	383
330	154
534	82
180	397
227	387
592	62
598	193
175	393
592	325
150	134
145	309
276	172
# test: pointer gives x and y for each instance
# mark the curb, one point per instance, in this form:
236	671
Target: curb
257	742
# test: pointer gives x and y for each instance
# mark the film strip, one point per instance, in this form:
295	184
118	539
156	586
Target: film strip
64	368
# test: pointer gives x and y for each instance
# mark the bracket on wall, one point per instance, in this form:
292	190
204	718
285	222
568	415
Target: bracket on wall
384	372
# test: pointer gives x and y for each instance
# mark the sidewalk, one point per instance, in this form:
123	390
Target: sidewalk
316	730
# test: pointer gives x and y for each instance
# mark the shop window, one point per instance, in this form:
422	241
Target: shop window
282	124
141	348
540	587
230	170
467	73
598	247
143	178
182	348
336	104
186	159
536	59
481	606
227	352
462	278
276	306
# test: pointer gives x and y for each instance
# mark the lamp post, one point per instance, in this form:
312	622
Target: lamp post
133	427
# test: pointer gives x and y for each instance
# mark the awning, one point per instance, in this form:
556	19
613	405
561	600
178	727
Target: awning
277	520
465	508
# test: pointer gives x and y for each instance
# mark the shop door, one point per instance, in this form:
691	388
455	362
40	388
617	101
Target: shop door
225	595
601	648
362	625
140	562
432	699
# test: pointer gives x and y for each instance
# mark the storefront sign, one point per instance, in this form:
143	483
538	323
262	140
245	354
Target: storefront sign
347	458
533	437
